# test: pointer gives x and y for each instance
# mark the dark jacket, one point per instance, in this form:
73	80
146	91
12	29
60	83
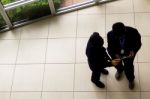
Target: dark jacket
96	53
132	41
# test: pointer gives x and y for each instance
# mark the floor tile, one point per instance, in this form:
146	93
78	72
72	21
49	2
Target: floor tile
4	95
28	77
143	55
58	77
81	50
145	95
136	58
63	26
26	95
61	51
90	95
144	79
119	6
8	51
12	34
98	9
83	79
6	75
105	42
57	95
35	30
142	22
141	5
87	24
32	51
123	95
127	19
122	85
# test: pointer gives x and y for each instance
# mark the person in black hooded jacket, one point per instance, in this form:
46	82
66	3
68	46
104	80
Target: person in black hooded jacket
124	41
98	59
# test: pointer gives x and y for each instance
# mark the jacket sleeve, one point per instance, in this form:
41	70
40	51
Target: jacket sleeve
111	44
138	42
108	60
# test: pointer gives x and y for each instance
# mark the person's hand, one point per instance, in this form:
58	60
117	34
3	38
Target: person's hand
131	54
115	62
117	56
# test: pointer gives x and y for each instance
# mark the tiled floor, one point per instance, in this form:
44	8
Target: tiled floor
46	59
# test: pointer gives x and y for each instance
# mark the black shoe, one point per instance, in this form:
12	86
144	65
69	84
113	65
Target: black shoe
118	75
131	85
105	71
99	84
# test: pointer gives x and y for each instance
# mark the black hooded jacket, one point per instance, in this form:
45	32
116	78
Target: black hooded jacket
132	41
96	53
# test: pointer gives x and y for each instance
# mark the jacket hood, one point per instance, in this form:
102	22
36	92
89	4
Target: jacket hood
96	40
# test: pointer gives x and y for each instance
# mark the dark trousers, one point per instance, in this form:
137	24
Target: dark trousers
95	76
127	67
96	71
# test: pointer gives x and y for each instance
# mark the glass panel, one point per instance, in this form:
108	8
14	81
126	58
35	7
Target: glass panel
2	23
9	1
30	11
65	3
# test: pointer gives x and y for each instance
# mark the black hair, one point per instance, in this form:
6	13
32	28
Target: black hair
118	28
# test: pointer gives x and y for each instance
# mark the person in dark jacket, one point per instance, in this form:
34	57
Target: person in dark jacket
98	59
124	41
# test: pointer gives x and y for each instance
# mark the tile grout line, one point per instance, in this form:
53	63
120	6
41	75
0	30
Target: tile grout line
57	38
45	60
57	63
142	12
105	42
75	54
13	75
137	53
139	78
126	13
70	91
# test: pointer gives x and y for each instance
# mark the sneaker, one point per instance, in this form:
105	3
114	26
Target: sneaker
105	71
99	84
118	75
131	85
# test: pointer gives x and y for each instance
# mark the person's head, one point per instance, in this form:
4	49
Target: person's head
118	28
96	39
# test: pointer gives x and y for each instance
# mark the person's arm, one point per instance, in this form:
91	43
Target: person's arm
113	62
111	45
136	43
